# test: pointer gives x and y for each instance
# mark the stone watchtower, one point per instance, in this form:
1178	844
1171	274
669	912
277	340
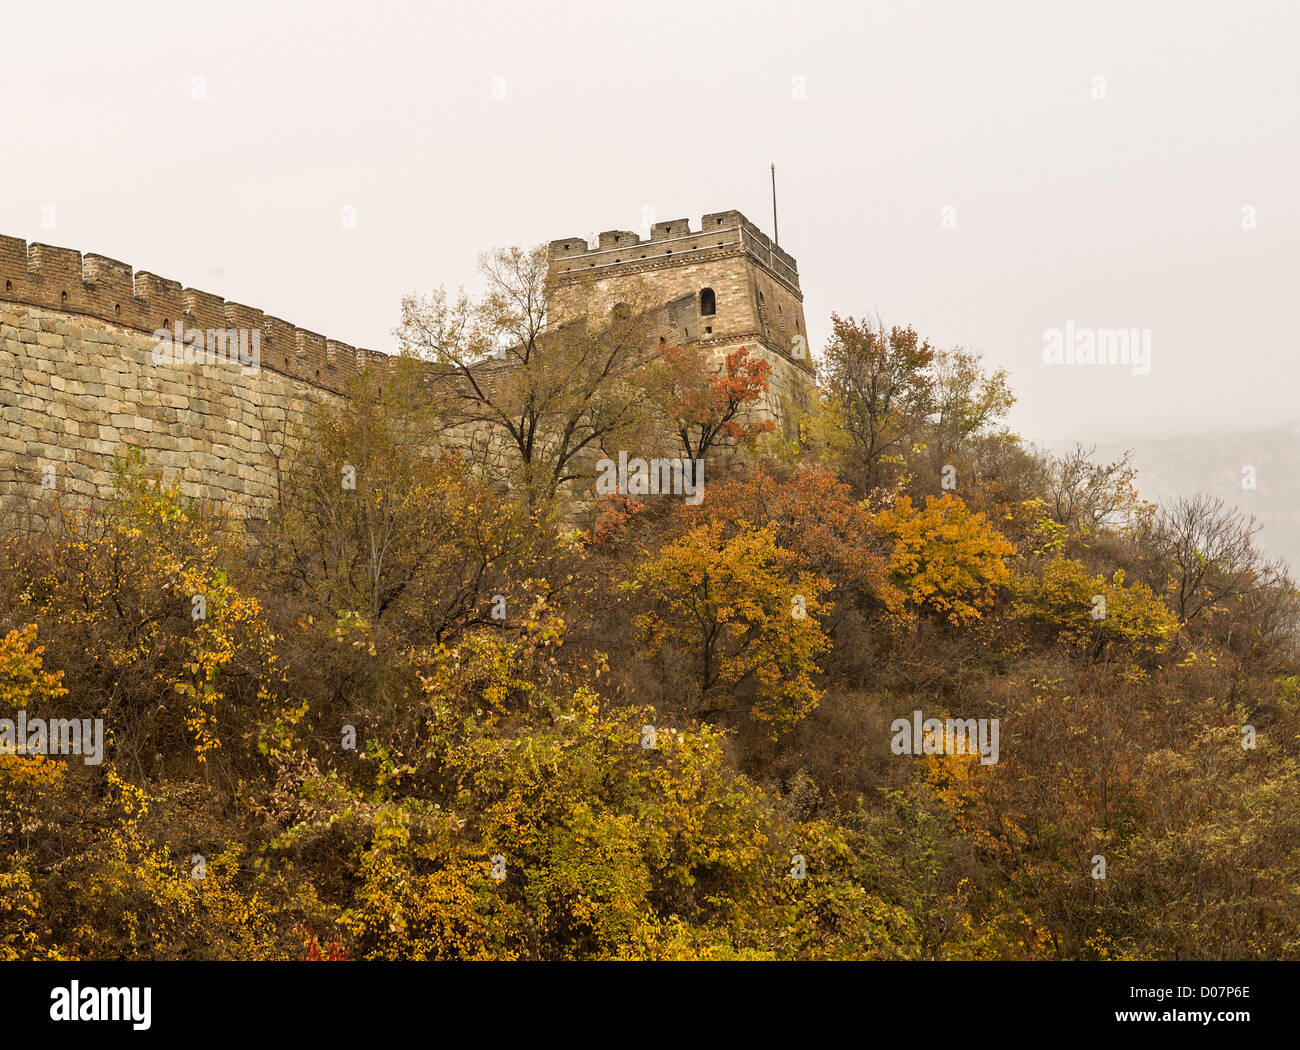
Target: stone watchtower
721	287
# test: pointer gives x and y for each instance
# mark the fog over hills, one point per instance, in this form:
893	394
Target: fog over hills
1217	463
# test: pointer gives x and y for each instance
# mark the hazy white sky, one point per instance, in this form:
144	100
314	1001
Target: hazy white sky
1117	211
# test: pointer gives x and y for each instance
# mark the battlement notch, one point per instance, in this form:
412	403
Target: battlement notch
61	279
672	241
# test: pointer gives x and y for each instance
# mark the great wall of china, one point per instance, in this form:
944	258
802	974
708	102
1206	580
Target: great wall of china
80	381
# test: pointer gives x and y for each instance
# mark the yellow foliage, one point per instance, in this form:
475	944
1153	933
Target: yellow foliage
1088	610
748	613
947	559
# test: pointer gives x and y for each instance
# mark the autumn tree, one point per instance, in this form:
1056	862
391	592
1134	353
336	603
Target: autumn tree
947	559
372	523
966	402
1085	495
745	610
534	821
1090	612
709	404
32	787
137	602
879	389
417	714
814	518
1208	554
894	395
548	394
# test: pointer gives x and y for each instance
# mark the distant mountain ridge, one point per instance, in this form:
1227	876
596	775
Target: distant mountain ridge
1216	464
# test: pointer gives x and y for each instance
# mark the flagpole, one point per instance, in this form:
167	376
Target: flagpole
776	234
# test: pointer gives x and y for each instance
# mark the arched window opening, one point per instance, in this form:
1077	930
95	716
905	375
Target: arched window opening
708	302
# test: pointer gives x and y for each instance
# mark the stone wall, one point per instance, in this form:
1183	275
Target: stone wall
77	391
107	290
759	304
81	382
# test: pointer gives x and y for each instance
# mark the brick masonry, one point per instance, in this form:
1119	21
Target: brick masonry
76	391
754	282
79	382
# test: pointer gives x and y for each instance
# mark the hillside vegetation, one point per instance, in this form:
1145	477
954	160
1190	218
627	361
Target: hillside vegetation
448	714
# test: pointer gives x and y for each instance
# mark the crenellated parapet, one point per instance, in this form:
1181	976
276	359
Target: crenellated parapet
671	243
94	286
86	373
